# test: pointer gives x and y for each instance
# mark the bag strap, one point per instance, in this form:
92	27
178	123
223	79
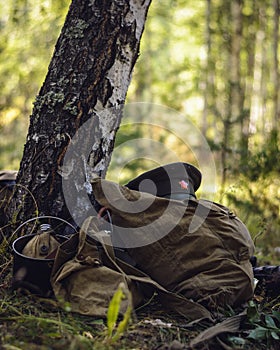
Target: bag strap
231	325
182	305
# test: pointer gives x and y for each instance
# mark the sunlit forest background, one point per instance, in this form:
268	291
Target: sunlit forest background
214	61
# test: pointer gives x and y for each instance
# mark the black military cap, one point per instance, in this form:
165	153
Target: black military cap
175	180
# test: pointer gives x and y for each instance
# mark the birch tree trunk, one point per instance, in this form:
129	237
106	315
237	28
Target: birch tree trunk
248	83
208	70
275	74
90	72
235	100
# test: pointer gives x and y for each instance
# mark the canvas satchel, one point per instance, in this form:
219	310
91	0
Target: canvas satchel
86	274
203	258
80	275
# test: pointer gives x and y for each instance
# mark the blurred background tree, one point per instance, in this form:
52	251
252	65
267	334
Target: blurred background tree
28	32
214	61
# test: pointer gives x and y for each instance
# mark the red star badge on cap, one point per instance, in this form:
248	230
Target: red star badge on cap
184	185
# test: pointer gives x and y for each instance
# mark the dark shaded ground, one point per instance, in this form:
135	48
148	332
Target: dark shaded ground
27	322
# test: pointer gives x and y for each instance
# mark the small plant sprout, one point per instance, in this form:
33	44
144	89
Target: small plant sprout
114	330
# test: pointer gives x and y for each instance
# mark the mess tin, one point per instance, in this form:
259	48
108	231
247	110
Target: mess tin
32	273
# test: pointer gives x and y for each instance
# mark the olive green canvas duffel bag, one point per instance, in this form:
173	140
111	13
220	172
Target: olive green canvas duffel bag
86	274
198	250
194	255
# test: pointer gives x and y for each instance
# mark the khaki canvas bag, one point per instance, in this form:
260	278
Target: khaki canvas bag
205	256
198	268
80	277
86	274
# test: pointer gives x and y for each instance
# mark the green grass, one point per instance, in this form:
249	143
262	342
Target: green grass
28	322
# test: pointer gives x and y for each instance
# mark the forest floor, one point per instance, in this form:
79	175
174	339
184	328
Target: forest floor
28	322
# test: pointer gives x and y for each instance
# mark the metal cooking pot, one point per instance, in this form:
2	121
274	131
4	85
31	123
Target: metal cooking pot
29	273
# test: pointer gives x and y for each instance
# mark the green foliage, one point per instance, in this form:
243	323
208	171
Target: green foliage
115	332
265	159
167	70
174	69
255	196
186	64
237	342
27	321
265	326
30	322
12	139
28	32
